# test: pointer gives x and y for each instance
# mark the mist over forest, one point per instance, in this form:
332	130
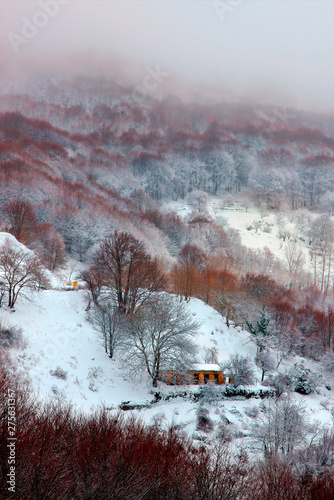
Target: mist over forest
166	250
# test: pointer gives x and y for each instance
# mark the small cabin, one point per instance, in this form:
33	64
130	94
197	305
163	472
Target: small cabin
198	375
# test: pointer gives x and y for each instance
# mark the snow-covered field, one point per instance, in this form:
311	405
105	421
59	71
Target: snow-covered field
266	236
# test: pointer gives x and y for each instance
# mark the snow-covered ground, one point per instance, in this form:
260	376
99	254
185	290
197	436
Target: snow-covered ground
242	220
63	357
58	337
62	278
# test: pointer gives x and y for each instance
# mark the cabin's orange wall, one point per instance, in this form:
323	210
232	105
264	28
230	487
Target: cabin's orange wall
172	377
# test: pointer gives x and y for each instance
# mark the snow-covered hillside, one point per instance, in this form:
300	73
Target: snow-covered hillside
258	229
55	280
64	358
58	335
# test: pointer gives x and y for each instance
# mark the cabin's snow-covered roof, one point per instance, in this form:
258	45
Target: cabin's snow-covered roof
206	367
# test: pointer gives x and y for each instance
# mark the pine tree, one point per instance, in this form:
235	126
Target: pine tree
261	332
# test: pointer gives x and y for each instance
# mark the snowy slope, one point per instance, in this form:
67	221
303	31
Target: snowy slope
241	220
214	333
63	357
10	240
58	279
58	336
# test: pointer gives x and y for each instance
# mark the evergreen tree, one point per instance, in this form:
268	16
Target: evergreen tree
261	332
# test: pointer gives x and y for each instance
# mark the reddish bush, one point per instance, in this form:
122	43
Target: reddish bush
64	455
261	287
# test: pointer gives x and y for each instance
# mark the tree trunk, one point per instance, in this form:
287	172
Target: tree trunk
11	299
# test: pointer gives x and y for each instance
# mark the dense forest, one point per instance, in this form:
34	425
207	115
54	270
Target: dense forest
90	169
102	153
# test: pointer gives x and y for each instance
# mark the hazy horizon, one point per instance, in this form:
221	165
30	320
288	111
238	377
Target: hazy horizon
268	52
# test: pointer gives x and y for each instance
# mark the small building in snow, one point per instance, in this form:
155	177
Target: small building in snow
199	374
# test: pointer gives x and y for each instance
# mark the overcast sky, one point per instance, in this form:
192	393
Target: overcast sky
274	50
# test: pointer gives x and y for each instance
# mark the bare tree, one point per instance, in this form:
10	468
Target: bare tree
198	200
320	455
284	426
2	292
211	356
110	323
94	279
160	337
230	303
239	368
321	236
303	222
51	246
263	210
19	270
190	261
321	230
128	271
285	342
265	362
295	259
21	218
